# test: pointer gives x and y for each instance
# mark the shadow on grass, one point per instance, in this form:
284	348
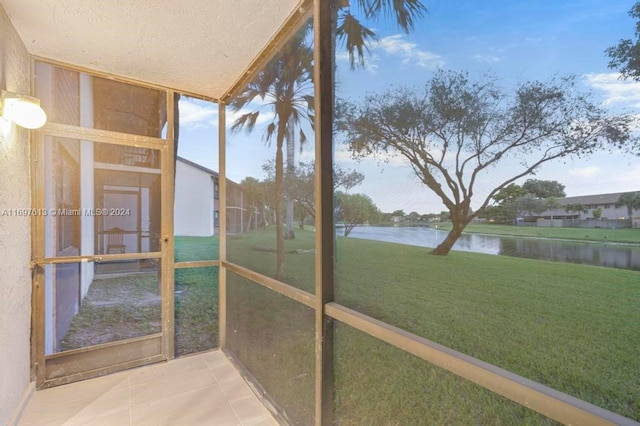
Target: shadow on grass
116	308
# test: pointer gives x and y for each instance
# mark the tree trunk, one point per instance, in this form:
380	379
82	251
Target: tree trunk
278	201
248	228
289	234
444	247
459	220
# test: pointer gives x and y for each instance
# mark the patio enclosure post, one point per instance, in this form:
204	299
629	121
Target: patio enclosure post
325	236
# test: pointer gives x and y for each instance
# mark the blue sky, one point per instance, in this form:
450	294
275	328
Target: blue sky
514	40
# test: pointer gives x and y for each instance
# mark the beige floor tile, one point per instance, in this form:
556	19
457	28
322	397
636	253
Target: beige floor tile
214	359
144	375
76	411
171	385
225	373
264	422
204	389
79	391
119	418
236	389
250	410
197	406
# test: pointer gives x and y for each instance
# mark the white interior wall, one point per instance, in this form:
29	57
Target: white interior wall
15	244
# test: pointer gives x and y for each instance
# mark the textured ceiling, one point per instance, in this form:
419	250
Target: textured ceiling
197	46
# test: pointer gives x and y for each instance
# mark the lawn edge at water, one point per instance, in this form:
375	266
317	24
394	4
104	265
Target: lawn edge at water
626	236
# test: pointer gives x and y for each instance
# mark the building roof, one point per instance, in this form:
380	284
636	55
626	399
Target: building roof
197	166
592	199
200	47
204	169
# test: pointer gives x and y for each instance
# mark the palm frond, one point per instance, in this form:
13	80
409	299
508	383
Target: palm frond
406	12
355	37
246	121
271	129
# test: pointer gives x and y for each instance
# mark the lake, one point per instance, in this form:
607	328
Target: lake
622	256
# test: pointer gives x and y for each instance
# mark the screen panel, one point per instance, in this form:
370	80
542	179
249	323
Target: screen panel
376	383
270	167
100	198
80	99
480	225
196	310
272	337
85	308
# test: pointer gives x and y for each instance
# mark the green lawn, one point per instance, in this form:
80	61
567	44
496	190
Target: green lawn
196	296
626	235
189	249
574	328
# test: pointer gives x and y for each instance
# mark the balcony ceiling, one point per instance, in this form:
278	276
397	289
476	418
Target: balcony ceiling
197	46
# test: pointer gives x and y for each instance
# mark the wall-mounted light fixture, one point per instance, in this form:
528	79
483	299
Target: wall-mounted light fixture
23	110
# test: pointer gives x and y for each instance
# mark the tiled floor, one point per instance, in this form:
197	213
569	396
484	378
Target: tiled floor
203	389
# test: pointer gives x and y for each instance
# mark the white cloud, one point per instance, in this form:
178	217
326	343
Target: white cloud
396	45
197	113
627	179
266	116
370	62
616	92
588	172
491	59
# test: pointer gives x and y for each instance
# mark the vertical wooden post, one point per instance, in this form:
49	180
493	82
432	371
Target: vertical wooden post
222	217
167	243
323	76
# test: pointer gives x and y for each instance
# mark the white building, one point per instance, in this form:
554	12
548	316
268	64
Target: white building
196	210
582	208
197	200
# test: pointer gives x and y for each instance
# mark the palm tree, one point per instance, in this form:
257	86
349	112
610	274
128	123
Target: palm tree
284	88
285	85
356	37
631	200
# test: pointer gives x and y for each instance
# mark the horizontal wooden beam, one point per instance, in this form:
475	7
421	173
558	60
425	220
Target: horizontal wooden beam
291	292
196	264
103	136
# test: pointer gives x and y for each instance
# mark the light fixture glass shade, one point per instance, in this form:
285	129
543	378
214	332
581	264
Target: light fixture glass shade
23	110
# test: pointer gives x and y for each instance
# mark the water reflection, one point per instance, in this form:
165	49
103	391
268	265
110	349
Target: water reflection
611	255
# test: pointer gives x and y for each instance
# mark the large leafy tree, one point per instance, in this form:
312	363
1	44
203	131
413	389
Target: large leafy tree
544	188
353	209
457	130
576	208
300	184
625	56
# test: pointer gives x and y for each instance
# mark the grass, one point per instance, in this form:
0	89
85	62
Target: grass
196	310
196	248
625	235
129	306
572	327
116	309
196	296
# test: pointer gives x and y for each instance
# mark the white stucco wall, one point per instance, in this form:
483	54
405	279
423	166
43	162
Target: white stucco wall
193	211
15	277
